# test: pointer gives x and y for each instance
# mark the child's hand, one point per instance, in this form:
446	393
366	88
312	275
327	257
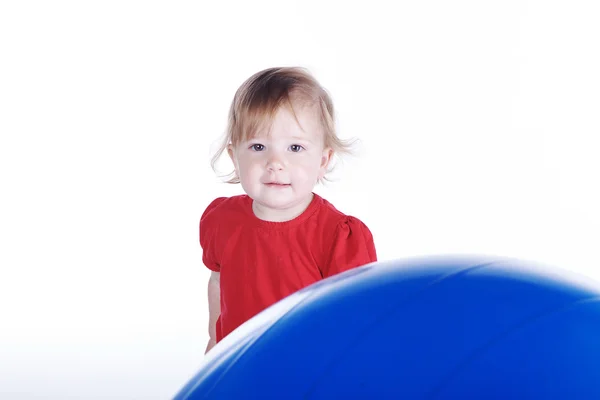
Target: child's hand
211	344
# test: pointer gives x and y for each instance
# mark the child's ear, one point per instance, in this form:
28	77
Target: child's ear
325	160
231	152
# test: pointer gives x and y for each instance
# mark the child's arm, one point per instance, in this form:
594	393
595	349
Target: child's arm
214	307
353	246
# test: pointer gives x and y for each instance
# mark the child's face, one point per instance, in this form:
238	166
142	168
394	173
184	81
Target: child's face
279	169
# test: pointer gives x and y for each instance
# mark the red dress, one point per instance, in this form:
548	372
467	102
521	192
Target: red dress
261	262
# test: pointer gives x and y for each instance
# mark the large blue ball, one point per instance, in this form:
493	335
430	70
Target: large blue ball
428	328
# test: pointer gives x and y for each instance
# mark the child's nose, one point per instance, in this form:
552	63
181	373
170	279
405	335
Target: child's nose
275	162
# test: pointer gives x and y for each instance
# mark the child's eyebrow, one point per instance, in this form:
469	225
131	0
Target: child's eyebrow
304	139
259	138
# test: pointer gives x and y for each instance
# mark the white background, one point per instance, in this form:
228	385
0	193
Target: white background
478	124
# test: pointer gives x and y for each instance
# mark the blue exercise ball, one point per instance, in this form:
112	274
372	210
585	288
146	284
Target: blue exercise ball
425	328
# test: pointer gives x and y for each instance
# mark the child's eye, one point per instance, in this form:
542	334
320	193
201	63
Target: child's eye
296	148
257	147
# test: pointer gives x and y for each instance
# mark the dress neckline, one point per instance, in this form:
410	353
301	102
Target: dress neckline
307	213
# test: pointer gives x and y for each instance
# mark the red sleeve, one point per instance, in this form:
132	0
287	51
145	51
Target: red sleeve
208	234
352	247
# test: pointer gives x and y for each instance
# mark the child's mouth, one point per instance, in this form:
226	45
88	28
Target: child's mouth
277	184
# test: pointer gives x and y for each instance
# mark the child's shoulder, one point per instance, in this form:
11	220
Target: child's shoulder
346	231
334	217
224	206
329	211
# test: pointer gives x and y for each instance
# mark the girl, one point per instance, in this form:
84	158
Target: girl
280	236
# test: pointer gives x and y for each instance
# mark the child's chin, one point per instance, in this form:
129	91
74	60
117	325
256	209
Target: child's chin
279	204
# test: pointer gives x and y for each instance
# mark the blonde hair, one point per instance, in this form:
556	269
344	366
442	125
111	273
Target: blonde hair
258	99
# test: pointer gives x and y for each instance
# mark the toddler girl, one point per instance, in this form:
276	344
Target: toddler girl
279	237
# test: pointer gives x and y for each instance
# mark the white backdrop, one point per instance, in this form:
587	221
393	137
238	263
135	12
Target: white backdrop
478	124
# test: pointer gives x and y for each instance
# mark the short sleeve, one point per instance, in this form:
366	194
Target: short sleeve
208	235
352	247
